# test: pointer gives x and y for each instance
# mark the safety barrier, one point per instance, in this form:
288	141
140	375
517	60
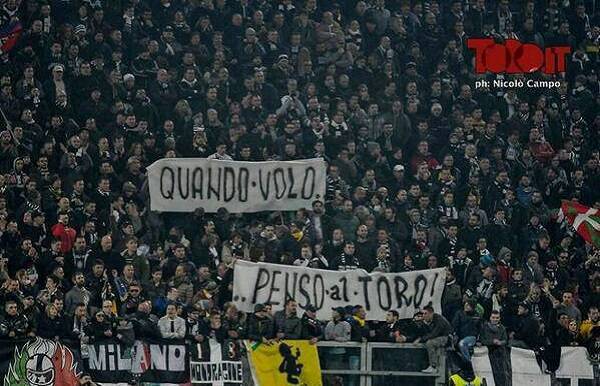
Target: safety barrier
358	364
377	364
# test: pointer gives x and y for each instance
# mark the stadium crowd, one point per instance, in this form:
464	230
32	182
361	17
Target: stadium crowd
424	169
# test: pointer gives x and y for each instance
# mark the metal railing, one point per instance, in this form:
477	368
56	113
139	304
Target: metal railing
377	364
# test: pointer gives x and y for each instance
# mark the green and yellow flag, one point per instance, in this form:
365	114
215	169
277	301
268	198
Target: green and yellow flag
287	362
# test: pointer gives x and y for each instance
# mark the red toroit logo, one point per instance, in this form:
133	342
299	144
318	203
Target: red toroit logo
514	57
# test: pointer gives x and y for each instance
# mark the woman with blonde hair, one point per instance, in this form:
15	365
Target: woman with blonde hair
50	325
183	116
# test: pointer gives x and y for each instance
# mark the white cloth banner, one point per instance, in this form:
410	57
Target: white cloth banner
185	184
405	292
574	363
522	368
482	365
525	369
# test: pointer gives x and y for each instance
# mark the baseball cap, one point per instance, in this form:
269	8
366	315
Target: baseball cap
310	308
259	307
399	168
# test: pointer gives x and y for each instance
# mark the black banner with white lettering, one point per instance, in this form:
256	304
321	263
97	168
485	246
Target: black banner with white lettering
217	364
157	361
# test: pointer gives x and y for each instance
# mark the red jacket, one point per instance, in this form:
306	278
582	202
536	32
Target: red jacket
66	235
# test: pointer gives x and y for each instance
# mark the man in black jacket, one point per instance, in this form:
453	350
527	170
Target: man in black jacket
466	324
260	326
144	323
311	326
413	329
527	330
436	338
13	326
390	330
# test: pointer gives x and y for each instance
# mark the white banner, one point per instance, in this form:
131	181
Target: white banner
522	367
404	292
185	184
575	364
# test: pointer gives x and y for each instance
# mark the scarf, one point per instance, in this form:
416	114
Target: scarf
348	262
361	322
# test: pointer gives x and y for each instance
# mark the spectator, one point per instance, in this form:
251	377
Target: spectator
144	322
86	380
287	323
339	330
109	309
360	331
64	233
79	322
591	322
172	326
13	326
435	339
133	299
260	326
234	322
466	325
311	326
182	282
78	294
346	260
214	329
566	332
100	328
567	307
51	324
527	329
390	331
493	333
